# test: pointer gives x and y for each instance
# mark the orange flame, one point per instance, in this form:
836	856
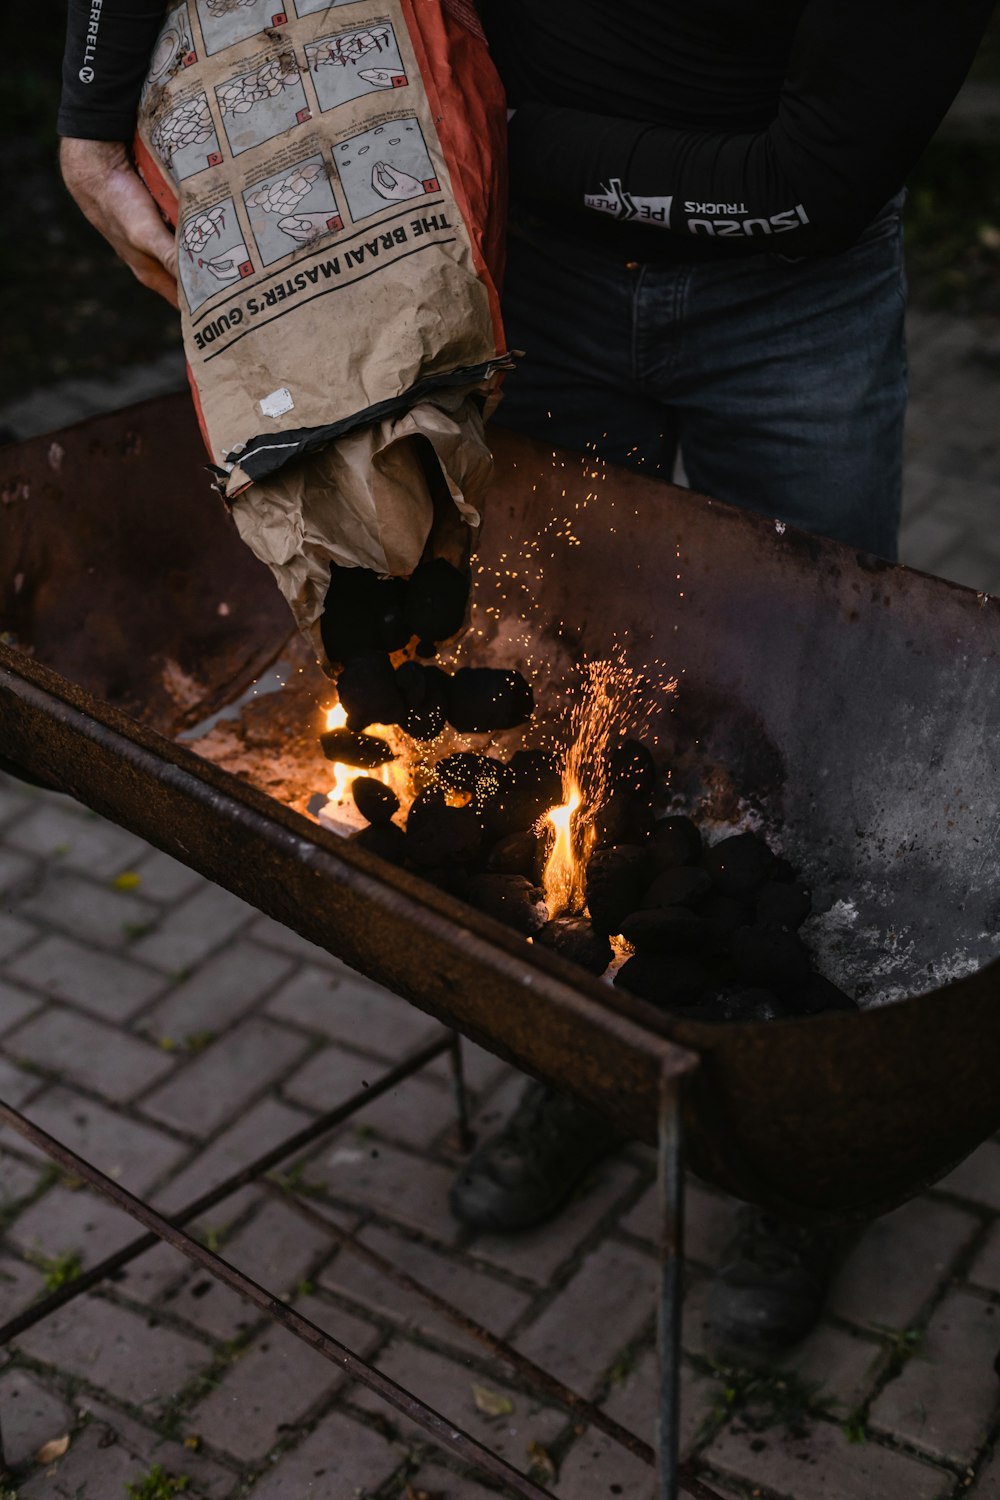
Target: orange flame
343	776
562	878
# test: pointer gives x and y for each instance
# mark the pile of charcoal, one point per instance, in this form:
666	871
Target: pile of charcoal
714	929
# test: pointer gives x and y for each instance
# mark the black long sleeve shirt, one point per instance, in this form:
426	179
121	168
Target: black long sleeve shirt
678	127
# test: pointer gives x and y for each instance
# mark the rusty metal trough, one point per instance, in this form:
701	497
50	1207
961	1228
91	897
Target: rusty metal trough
851	705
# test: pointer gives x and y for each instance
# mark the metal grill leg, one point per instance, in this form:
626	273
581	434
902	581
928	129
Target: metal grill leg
465	1135
671	1190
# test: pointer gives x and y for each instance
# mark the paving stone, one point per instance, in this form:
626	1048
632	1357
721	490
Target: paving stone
407	1189
414	1112
20	1285
110	986
207	1476
95	1467
206	1091
16	1005
490	1301
277	1248
482	1070
17	1180
16	870
15	800
987	1485
709	1221
63	1222
824	1465
276	935
146	1278
346	1009
32	1415
842	1366
90	1053
277	1382
596	1466
110	1347
14	936
985	1269
633	1400
165	879
899	1262
17	1084
447	1386
978	1177
341	1458
603	1308
91	912
133	1153
445	1484
79	840
258	1130
193	929
537	1254
223	988
946	1398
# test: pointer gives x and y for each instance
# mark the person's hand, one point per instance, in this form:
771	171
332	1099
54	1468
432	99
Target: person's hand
111	194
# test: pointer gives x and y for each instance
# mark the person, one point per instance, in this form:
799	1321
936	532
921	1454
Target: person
705	257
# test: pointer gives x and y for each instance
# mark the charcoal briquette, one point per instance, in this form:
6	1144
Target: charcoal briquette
438	834
819	994
362	613
531	786
518	854
351	749
771	958
537	770
739	865
387	840
724	914
685	885
632	769
369	692
749	1005
481	699
373	799
783	904
575	939
663	978
435	600
675	841
424	693
673	929
616	878
511	899
784	870
623	819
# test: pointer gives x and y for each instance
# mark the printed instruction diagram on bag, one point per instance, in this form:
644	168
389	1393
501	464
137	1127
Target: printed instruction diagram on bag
257	106
355	63
185	140
387	164
215	229
173	51
291	208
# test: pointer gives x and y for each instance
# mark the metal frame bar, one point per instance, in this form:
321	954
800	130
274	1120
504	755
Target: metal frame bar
672	1474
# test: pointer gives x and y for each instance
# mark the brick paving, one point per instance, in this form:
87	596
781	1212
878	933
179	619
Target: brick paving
170	1033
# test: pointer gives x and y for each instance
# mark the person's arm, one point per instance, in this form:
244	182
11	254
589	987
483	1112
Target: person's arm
868	83
108	47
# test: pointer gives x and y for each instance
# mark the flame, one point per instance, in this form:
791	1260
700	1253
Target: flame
562	878
343	776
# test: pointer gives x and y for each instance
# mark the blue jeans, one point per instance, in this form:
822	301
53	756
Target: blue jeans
783	382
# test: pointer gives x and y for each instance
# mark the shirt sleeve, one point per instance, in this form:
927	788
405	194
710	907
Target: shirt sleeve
868	83
108	47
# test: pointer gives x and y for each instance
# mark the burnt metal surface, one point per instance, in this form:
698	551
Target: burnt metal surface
122	569
853	706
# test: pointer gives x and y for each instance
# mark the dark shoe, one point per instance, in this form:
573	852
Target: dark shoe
526	1173
772	1285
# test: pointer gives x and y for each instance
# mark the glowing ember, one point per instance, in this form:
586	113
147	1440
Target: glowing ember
563	875
343	776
